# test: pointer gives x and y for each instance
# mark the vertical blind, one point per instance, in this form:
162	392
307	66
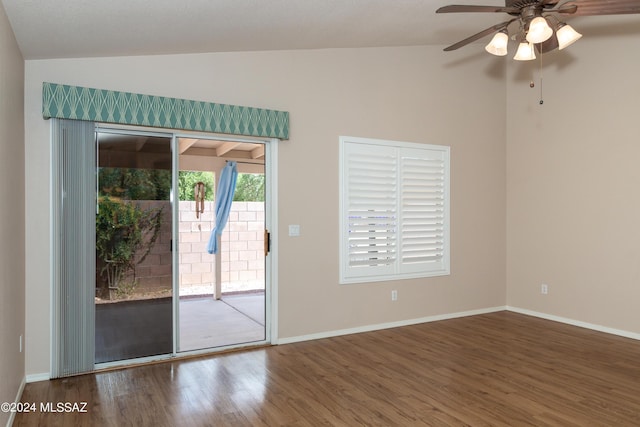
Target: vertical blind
73	227
394	210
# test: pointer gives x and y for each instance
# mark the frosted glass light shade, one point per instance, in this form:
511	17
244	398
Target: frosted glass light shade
566	36
539	30
498	44
525	52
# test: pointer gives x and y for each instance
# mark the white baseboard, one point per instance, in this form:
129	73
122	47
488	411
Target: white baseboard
12	415
599	328
45	376
370	328
379	326
34	378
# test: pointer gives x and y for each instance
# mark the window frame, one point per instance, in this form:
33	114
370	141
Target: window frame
395	269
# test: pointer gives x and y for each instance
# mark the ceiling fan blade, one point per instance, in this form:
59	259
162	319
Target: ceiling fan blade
605	7
565	9
478	36
456	8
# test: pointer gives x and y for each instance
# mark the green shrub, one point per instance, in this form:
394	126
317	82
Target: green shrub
125	234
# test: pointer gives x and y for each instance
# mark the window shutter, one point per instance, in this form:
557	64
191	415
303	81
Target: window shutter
371	208
394	210
422	201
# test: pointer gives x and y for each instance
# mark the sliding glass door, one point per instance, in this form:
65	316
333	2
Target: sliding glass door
134	275
222	295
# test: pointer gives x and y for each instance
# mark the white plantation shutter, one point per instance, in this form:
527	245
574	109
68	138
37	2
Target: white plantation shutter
394	210
422	201
371	209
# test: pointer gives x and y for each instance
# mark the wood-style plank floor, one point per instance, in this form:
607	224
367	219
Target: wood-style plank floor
498	369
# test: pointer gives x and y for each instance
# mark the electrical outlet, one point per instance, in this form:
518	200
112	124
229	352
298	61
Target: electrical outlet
394	295
544	289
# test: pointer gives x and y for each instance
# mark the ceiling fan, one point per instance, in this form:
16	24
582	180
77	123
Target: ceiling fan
540	28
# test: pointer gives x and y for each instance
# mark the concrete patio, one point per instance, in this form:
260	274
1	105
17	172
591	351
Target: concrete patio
141	328
235	319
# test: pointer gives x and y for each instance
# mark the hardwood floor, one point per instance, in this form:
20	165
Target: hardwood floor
499	369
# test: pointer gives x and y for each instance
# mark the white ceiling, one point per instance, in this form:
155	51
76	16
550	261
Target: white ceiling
82	28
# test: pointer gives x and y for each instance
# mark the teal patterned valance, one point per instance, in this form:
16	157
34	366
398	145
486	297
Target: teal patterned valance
108	106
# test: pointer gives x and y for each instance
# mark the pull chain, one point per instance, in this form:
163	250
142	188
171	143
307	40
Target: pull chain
532	84
541	100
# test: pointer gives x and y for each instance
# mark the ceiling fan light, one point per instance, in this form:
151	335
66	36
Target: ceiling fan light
525	52
498	44
567	36
539	30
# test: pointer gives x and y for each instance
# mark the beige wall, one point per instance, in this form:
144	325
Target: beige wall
573	179
12	280
413	94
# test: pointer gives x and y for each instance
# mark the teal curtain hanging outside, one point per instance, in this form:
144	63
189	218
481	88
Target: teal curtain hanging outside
224	199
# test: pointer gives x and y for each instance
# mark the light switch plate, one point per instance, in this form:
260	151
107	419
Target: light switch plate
294	230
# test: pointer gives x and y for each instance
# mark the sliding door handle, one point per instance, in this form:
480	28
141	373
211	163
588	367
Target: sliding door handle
267	242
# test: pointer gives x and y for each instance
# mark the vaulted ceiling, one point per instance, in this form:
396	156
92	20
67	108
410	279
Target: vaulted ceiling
80	28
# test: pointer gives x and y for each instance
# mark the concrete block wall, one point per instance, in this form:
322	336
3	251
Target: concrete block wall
242	248
197	266
154	273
